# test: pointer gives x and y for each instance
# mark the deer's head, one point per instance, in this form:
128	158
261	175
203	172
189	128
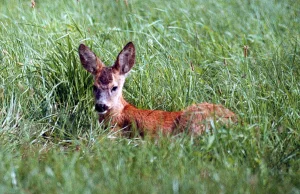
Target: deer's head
108	81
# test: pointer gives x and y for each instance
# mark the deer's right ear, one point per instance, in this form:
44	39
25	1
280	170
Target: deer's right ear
89	60
125	59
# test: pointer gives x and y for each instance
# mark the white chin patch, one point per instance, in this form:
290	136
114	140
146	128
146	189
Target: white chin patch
102	113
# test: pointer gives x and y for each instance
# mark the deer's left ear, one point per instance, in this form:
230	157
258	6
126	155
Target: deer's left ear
89	60
125	59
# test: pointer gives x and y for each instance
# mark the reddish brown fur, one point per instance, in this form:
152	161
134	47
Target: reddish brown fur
124	116
146	121
195	119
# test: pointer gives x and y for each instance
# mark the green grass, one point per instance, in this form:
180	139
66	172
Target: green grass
51	142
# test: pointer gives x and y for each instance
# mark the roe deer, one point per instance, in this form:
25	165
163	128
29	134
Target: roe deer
115	110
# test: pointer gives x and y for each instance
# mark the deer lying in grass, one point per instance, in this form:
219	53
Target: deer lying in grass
115	110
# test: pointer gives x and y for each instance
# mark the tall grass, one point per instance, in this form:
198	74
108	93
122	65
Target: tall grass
187	52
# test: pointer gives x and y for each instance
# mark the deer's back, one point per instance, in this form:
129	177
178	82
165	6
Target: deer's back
199	117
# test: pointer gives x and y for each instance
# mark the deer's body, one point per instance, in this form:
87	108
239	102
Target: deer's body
113	109
150	120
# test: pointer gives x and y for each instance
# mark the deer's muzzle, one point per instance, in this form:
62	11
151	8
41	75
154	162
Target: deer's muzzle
101	108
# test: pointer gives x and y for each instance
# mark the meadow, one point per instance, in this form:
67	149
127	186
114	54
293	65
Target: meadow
242	54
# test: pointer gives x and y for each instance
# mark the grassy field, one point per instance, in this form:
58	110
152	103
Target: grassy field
188	51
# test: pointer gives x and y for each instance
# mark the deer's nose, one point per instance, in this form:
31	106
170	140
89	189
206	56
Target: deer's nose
101	108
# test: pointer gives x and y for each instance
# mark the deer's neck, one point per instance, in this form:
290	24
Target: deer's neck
117	110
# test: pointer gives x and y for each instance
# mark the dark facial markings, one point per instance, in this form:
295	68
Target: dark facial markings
96	91
95	88
106	77
103	81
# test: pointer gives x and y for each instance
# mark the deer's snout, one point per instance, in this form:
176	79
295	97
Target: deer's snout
101	108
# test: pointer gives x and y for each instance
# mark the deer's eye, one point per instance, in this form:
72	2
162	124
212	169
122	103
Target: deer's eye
114	88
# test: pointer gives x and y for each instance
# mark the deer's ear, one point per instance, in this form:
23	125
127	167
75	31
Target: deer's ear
89	60
125	59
